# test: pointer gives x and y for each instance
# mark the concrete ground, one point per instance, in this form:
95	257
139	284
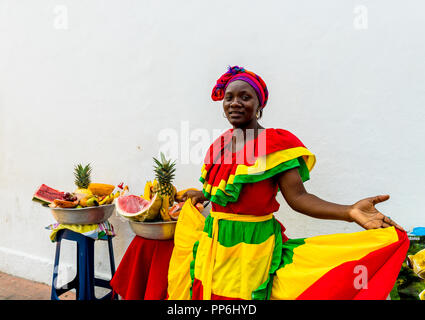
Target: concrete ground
14	288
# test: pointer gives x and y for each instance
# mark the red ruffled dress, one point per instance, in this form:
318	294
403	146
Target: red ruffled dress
240	250
256	194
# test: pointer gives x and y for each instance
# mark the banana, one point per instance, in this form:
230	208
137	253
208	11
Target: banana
105	200
125	190
92	202
147	193
164	209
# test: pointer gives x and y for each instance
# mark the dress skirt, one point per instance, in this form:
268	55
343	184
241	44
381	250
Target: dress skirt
244	257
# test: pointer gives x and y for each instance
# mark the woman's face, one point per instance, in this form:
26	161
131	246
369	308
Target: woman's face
240	104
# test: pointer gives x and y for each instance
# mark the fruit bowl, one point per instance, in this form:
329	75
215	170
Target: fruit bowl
160	230
88	215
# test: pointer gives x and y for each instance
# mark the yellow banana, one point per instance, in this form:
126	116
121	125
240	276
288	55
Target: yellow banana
104	200
164	209
125	190
111	198
91	202
147	192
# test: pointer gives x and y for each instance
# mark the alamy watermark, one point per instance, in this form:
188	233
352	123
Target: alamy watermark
197	146
360	281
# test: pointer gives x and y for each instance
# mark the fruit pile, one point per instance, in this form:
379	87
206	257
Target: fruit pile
87	194
158	201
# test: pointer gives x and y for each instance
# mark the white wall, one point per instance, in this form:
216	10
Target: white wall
97	81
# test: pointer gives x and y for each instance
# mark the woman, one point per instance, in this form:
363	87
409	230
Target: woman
242	252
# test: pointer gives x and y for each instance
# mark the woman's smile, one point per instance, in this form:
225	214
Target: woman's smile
235	114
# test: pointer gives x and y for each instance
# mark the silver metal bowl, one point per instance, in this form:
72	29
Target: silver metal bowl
161	230
89	215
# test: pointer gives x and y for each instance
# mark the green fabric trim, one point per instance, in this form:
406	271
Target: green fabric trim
232	191
288	250
192	266
303	170
234	232
220	197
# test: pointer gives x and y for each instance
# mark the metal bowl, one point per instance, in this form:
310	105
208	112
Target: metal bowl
89	215
161	230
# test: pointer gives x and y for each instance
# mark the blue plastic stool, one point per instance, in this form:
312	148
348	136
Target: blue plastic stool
85	281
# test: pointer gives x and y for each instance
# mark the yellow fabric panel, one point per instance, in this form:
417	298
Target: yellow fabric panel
188	230
207	187
238	217
310	161
238	270
221	186
273	159
321	254
203	171
208	247
231	178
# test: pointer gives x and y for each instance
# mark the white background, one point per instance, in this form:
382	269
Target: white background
98	81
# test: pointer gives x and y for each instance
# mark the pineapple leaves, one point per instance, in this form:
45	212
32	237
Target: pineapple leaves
164	170
82	175
164	174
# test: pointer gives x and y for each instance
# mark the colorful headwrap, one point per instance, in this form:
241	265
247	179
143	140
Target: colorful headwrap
238	73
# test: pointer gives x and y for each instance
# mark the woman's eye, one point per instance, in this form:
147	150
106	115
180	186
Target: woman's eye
245	97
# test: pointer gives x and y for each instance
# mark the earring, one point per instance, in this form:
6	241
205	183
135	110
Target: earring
224	115
257	115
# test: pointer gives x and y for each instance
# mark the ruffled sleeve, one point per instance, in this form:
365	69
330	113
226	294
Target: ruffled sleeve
274	151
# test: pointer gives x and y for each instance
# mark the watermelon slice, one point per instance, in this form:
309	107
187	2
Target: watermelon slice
138	209
46	195
175	210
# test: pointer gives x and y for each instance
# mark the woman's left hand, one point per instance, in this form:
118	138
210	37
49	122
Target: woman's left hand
365	214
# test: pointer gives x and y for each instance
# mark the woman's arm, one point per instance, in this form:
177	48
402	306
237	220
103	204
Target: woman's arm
195	196
362	212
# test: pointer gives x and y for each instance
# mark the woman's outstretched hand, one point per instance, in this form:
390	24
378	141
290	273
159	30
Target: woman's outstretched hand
365	214
195	196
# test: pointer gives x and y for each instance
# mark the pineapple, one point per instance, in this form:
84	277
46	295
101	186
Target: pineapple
82	179
164	174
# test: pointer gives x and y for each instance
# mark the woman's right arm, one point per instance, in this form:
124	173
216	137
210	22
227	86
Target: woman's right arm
195	196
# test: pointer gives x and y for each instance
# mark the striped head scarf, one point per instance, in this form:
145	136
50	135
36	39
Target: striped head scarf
239	73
